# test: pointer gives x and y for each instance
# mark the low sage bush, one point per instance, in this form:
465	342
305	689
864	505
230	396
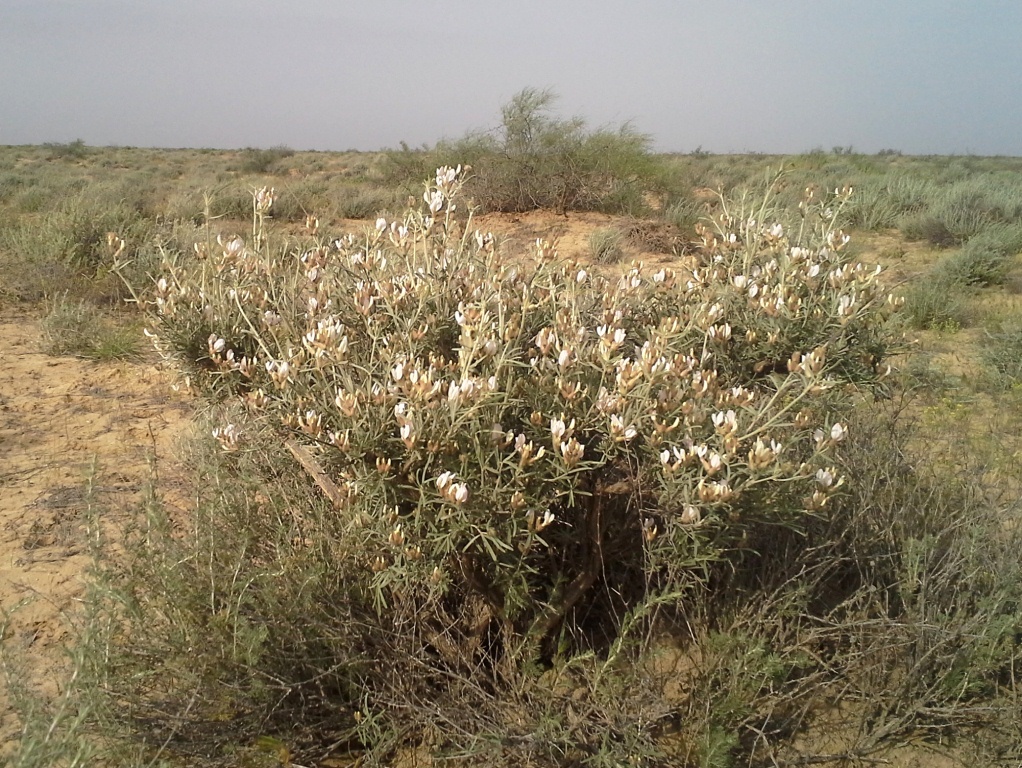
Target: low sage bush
1002	353
76	246
987	258
605	245
937	301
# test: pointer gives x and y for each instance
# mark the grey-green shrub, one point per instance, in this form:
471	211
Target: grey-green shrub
1002	352
879	203
77	328
72	245
606	245
988	256
264	160
960	210
936	300
70	150
528	469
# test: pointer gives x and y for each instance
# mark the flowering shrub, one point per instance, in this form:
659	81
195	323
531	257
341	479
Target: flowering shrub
506	443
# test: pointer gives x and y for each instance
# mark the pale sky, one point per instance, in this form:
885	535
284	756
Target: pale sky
777	76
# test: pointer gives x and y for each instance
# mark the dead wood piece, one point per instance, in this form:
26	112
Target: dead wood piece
317	473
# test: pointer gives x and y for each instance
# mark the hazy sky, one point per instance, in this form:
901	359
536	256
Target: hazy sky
922	76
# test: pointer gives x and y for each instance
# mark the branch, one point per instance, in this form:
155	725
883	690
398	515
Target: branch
316	472
557	610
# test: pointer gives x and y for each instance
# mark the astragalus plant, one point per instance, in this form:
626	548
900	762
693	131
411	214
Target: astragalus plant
520	454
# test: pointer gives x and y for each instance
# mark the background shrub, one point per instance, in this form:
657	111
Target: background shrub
937	300
264	160
322	601
70	248
535	160
71	150
605	245
77	328
1002	352
987	257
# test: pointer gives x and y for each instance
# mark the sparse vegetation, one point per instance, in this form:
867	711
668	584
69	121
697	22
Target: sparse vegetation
432	508
78	328
1002	351
987	258
937	301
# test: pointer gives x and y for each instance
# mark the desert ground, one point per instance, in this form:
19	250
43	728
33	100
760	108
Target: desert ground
85	437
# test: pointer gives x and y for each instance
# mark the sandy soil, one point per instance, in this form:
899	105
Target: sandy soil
76	439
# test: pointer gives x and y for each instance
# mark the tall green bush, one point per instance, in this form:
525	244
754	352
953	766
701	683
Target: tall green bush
536	160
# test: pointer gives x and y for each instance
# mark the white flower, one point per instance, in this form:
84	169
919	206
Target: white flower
458	493
445	175
690	515
619	431
713	463
559	430
726	422
572	452
228	436
435	199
